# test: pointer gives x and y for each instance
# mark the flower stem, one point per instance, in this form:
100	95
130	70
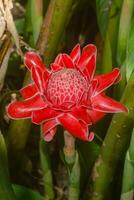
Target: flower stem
72	160
114	147
69	148
46	167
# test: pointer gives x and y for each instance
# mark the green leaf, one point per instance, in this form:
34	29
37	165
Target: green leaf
23	193
130	53
128	181
20	25
6	191
124	28
36	17
102	7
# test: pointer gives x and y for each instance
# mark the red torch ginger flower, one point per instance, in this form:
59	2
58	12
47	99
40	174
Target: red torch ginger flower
69	94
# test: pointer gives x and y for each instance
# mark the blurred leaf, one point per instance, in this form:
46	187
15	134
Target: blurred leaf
130	53
36	17
128	181
102	7
124	28
6	191
19	23
23	193
88	152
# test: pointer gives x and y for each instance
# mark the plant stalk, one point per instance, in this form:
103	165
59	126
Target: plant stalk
128	182
114	147
46	167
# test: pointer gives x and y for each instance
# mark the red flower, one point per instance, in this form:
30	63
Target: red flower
69	94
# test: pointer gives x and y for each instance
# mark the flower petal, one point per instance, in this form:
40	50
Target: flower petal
106	80
24	109
32	59
58	60
67	61
81	113
56	67
106	104
95	115
75	54
16	111
76	127
28	91
37	77
49	129
87	62
44	114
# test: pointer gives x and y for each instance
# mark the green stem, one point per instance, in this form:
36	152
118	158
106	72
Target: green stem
73	165
128	182
46	167
6	191
114	146
69	148
74	180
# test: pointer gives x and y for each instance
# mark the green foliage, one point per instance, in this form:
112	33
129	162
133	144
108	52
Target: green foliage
46	167
6	191
22	193
128	181
130	53
74	180
102	9
124	28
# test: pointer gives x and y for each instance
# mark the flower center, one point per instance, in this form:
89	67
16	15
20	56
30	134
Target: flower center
66	87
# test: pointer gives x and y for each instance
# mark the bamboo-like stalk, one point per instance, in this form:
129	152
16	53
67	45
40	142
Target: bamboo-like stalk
128	180
124	28
53	27
6	191
36	17
114	147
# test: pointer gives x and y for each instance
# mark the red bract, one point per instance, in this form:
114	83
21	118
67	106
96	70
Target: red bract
69	94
